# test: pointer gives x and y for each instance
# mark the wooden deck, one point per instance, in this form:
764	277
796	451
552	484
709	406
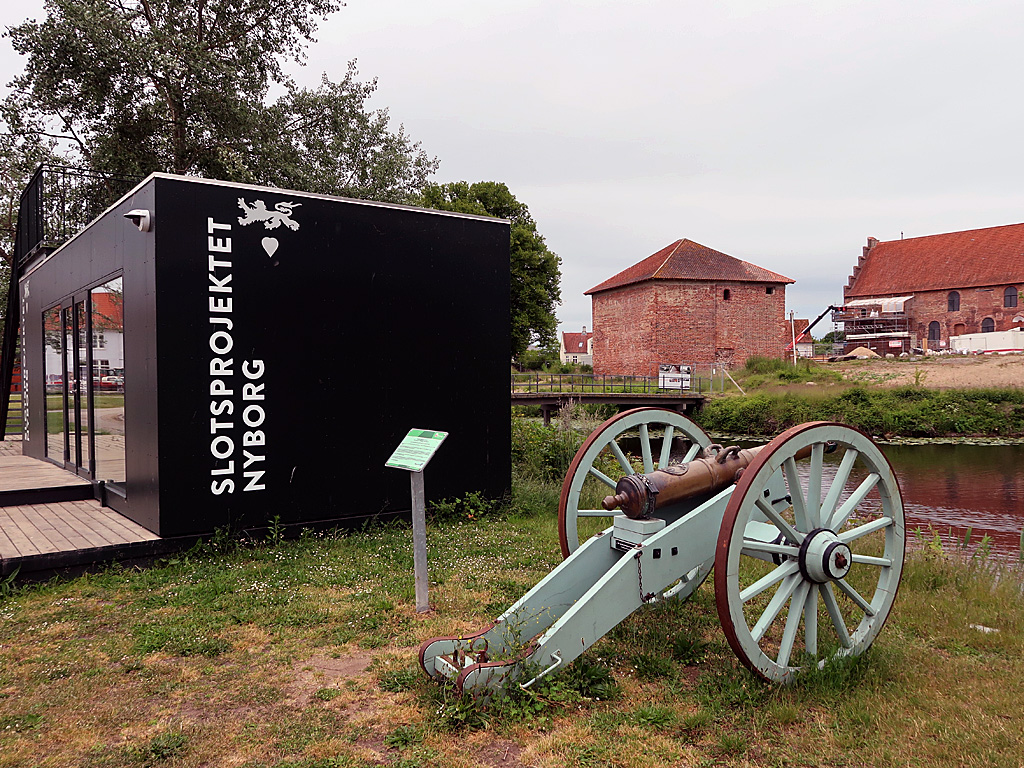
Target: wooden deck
20	473
60	532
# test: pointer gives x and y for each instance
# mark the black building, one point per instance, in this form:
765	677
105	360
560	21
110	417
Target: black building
214	354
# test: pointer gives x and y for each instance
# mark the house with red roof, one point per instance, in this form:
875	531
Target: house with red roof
793	332
106	310
577	348
687	304
922	291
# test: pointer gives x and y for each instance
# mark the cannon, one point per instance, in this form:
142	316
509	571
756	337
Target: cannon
805	536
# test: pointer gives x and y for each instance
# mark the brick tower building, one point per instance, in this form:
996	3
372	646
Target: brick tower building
687	304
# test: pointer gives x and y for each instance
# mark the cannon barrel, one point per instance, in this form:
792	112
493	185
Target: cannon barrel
639	495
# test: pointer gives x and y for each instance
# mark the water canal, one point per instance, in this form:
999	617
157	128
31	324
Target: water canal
950	488
947	489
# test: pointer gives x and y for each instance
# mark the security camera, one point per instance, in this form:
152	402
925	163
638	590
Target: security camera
140	218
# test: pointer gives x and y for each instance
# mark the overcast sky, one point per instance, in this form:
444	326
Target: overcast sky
780	133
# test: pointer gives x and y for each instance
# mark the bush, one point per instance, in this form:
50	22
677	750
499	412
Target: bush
905	411
471	506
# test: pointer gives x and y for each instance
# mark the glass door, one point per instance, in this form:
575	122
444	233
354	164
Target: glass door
77	386
84	390
85	384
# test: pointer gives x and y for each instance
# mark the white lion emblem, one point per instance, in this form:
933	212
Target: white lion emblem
281	214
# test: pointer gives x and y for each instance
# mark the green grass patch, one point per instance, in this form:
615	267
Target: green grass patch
244	655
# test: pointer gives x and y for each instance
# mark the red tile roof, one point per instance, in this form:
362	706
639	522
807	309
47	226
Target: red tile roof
975	257
576	343
687	260
797	328
107	311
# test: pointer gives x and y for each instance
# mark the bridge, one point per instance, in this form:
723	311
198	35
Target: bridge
554	391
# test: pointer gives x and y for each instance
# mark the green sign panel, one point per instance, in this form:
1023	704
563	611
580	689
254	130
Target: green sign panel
416	449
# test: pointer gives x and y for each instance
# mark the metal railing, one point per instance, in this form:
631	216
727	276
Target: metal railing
59	202
56	205
568	383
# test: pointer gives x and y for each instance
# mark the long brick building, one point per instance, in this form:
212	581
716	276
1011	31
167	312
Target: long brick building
687	304
918	292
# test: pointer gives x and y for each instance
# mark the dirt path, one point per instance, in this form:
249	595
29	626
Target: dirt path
938	372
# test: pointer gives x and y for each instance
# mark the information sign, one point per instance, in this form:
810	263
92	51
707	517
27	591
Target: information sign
416	449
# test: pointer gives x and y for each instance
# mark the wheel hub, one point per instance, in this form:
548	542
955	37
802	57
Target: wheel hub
823	557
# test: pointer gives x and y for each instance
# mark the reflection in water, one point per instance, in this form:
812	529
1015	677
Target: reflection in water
963	486
950	488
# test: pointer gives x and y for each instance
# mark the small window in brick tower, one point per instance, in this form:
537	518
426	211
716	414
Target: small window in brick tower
769	290
726	294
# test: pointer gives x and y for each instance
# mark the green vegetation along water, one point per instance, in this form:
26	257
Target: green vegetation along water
902	411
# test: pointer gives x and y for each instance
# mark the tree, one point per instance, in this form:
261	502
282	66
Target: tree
136	86
834	337
535	270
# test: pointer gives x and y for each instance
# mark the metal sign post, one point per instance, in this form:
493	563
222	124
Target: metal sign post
413	454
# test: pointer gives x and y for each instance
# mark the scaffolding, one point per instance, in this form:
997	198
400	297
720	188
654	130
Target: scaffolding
879	324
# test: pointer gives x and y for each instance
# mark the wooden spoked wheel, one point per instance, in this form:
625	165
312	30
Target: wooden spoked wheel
813	575
664	437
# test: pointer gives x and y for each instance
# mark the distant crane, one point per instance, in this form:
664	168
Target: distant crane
816	320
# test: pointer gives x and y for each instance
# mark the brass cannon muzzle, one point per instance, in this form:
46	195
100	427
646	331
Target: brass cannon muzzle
638	495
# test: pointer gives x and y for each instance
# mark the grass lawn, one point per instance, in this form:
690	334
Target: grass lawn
113	400
302	654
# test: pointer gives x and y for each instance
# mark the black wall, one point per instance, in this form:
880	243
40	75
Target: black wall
369	320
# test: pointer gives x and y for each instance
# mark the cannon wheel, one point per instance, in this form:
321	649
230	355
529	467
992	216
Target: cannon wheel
834	556
641	420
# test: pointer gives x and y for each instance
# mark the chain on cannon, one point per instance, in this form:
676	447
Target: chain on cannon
805	536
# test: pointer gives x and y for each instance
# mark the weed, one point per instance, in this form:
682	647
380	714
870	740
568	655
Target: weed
689	650
459	713
326	694
591	680
400	680
696	721
469	507
730	743
651	667
7	583
654	717
404	736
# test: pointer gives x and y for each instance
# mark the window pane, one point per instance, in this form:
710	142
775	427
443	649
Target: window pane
954	302
53	365
108	380
84	384
1010	297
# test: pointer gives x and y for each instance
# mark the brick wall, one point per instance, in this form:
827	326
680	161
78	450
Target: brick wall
666	321
975	306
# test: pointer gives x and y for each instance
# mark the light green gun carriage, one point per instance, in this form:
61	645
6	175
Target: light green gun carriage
805	535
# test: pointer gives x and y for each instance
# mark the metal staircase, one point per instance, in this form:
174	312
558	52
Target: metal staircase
57	204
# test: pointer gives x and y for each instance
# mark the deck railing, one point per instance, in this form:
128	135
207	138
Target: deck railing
59	202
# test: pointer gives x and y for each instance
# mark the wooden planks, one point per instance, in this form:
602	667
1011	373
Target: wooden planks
68	526
18	473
